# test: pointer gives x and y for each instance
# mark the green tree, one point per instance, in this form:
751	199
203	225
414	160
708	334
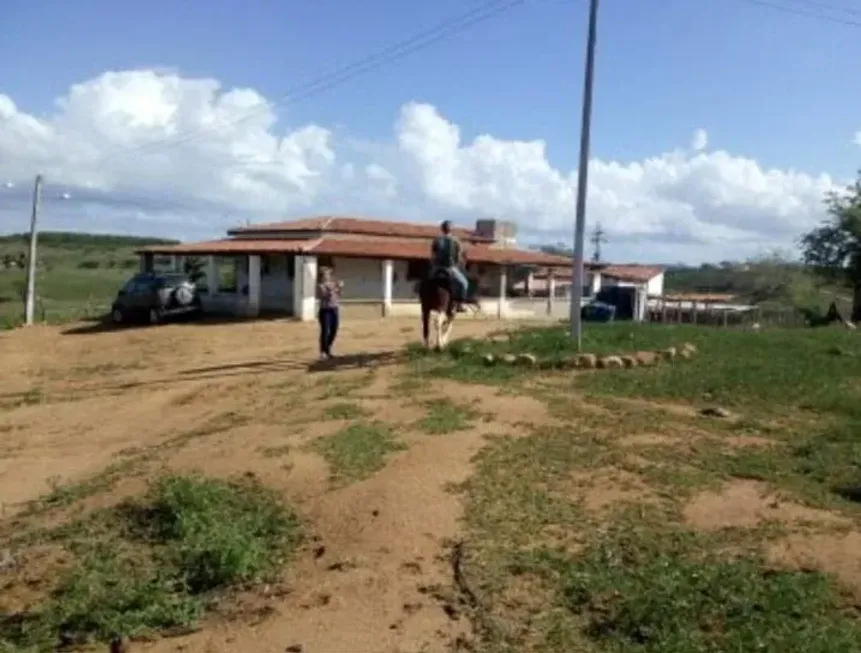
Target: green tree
833	249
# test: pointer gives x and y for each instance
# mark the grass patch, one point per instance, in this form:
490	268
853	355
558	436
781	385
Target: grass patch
446	416
632	591
770	370
357	451
155	563
344	410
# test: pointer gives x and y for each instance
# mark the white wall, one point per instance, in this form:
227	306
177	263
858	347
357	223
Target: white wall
363	279
656	285
276	282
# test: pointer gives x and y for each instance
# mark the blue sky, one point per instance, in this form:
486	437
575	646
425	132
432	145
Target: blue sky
765	84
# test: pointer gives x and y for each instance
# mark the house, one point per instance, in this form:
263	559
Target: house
275	265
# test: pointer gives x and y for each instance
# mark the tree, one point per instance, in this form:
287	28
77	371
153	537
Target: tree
833	249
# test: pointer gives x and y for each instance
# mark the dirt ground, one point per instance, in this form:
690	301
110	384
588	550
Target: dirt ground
75	402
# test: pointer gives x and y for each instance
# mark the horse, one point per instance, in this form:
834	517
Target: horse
437	298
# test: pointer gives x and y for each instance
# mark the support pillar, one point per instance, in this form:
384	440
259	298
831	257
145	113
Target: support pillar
253	285
212	282
305	288
503	283
388	275
551	293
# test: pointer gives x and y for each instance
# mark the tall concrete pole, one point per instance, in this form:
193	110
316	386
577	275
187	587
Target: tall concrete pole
578	277
30	301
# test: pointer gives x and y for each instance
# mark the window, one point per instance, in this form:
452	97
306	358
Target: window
325	262
417	270
265	265
291	266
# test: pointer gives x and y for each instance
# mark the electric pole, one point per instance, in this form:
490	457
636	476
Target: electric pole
597	240
30	301
583	180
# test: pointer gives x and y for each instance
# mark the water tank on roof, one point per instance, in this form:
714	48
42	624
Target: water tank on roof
503	232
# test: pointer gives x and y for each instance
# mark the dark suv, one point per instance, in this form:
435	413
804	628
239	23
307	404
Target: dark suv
153	297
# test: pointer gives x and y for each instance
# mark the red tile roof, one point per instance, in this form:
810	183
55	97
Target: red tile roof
401	249
632	272
368	227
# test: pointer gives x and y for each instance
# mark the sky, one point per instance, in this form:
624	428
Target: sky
718	125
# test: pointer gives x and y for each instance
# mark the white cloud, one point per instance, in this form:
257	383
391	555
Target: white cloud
700	140
149	151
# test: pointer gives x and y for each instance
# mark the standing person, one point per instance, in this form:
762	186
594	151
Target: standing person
329	294
447	253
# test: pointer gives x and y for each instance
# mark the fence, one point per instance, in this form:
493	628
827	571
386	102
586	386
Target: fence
667	311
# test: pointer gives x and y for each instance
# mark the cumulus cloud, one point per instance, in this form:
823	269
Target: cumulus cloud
149	151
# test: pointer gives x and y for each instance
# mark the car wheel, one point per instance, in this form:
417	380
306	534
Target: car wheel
154	316
117	316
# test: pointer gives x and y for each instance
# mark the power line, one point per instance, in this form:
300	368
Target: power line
420	41
810	13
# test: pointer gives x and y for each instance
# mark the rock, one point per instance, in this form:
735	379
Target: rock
755	326
527	360
849	325
629	361
294	648
668	354
510	359
587	361
715	411
646	357
610	363
691	347
570	362
489	359
686	354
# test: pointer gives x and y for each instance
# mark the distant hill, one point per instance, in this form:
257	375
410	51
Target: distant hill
64	239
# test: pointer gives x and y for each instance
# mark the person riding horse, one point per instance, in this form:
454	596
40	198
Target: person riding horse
447	255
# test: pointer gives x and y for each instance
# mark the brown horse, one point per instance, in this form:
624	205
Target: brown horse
437	299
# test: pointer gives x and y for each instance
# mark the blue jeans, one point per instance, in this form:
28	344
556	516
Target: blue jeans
329	319
460	279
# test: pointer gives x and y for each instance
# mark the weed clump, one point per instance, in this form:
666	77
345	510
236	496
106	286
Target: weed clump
155	563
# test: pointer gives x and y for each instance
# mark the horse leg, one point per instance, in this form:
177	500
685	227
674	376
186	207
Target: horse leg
439	328
445	334
426	327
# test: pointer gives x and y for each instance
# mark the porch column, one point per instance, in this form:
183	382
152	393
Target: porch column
388	274
253	285
551	293
529	283
211	276
147	261
305	288
503	282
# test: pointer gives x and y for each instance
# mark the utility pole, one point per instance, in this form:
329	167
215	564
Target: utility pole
30	302
583	180
597	240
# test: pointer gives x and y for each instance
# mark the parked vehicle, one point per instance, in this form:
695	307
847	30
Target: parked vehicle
153	297
596	311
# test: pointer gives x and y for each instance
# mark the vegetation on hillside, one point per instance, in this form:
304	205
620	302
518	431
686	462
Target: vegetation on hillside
833	250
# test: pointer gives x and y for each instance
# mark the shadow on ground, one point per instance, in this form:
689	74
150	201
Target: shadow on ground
104	324
351	361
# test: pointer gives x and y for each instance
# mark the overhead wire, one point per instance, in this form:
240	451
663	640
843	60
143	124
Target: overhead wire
444	30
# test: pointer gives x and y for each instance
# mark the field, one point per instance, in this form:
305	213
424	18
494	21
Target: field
78	275
207	487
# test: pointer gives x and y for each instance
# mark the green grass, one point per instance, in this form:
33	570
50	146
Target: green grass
357	451
446	416
636	590
814	370
155	563
344	410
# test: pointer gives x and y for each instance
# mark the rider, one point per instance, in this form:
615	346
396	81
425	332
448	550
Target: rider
447	254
